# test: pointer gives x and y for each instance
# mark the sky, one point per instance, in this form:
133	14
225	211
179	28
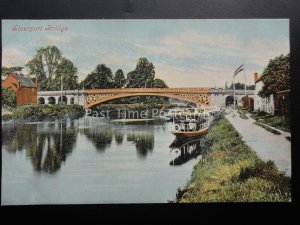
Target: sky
184	52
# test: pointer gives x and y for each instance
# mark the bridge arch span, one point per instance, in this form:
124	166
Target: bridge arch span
186	97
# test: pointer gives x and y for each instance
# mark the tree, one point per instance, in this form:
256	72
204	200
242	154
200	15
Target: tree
9	70
142	76
119	79
68	71
8	97
48	65
158	83
276	76
100	78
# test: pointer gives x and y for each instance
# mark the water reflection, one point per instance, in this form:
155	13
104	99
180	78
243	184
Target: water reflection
144	142
101	138
47	144
187	149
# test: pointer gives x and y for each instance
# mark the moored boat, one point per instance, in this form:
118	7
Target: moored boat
197	126
189	129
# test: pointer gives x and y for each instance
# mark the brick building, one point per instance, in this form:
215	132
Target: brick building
23	86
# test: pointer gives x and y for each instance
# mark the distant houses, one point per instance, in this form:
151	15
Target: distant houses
276	103
23	86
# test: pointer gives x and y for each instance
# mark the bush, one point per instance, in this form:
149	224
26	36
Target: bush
7	117
8	97
43	112
268	171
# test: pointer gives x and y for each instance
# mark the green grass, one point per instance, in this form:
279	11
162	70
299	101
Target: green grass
242	113
232	172
279	122
267	128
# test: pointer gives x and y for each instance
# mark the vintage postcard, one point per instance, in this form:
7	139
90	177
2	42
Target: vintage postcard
145	111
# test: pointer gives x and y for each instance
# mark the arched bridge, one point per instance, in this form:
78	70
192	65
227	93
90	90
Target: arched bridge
196	95
89	98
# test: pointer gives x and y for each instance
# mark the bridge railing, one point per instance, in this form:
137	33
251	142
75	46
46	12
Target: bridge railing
55	93
143	90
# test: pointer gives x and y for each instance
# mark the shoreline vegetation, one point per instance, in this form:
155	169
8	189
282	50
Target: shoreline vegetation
273	131
44	112
38	112
232	172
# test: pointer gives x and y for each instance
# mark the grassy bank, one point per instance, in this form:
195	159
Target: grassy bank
267	128
278	122
232	172
45	112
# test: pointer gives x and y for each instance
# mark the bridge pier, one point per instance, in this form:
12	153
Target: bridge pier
69	97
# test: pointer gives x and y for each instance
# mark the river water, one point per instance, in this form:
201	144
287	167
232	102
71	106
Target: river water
93	161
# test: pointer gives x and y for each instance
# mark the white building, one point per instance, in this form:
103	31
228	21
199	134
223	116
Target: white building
262	104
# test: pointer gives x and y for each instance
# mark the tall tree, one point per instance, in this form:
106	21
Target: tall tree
44	65
119	79
276	76
100	78
48	65
142	76
68	71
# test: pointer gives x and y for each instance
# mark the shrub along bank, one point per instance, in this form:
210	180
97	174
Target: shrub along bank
279	122
45	112
232	172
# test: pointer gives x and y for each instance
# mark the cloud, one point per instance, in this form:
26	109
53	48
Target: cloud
196	77
14	56
260	51
191	44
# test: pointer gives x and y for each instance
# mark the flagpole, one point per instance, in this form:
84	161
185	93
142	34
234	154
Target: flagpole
233	93
239	69
245	80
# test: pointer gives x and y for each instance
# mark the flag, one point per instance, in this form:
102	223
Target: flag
239	69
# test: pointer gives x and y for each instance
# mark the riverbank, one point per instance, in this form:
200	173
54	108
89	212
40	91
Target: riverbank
44	112
232	172
279	122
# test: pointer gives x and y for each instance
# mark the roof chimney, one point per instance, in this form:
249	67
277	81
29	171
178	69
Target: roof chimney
255	77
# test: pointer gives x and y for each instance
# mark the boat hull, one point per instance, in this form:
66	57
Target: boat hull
180	134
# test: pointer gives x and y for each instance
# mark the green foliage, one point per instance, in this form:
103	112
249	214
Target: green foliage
67	71
242	113
232	172
49	65
276	76
158	83
44	112
142	76
7	117
267	128
9	70
241	86
119	79
8	97
279	122
100	78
